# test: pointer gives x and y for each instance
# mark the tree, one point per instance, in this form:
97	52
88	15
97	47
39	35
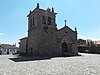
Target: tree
91	45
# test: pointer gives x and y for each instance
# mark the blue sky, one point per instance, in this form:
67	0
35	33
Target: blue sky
84	14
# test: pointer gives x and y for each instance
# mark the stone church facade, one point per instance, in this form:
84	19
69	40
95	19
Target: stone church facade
44	39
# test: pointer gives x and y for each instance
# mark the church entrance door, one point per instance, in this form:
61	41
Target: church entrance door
64	47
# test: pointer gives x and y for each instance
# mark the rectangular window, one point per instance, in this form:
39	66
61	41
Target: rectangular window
43	19
30	22
33	20
49	20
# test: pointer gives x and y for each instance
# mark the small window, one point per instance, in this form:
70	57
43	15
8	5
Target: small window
33	20
66	32
30	22
43	19
49	20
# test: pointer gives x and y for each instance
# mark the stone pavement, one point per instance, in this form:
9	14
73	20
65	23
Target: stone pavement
87	64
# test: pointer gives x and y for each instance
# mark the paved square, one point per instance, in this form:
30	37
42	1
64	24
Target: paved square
87	64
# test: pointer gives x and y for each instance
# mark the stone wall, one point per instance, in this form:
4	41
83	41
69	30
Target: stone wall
89	49
23	45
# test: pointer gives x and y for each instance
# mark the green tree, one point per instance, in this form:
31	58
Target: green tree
91	45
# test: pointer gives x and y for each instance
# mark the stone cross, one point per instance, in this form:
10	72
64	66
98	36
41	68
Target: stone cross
38	5
65	22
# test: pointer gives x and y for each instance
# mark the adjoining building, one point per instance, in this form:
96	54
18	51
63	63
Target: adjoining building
81	42
8	49
97	43
44	39
23	45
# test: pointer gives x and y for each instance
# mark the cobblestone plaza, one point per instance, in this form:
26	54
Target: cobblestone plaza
87	64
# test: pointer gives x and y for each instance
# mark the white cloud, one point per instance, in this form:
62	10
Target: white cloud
1	33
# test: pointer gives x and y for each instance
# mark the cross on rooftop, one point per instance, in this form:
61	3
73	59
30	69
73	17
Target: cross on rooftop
65	22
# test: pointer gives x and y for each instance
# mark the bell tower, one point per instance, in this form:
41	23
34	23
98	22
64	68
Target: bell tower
41	29
40	18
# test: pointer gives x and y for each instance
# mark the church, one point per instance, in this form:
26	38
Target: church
44	38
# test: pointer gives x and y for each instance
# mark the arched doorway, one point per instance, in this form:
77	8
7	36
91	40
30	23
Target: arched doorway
64	47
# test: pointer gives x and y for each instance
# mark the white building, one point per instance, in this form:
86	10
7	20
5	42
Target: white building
97	43
8	49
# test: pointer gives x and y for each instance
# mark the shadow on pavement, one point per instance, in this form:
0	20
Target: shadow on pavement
23	58
33	58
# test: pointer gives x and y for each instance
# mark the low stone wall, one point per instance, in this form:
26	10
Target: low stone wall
82	49
89	49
